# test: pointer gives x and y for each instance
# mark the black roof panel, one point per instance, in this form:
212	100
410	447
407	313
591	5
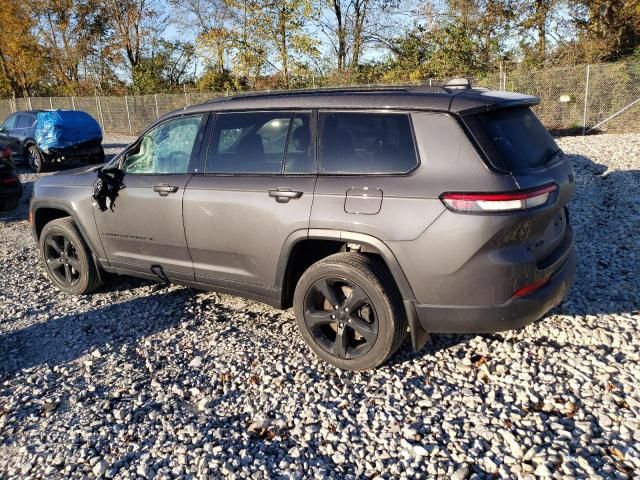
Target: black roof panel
405	98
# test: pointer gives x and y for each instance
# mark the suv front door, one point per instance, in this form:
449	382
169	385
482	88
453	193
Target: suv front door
256	191
144	231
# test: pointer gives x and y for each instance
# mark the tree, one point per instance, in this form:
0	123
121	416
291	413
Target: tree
607	29
21	58
345	24
465	37
134	25
67	30
212	18
165	67
284	22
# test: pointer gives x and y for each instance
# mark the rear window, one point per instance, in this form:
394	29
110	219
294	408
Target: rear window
514	139
366	143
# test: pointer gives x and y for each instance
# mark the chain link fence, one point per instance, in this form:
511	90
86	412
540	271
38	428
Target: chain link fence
573	100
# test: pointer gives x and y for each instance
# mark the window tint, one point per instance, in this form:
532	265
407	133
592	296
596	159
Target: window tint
25	121
168	148
366	143
516	136
300	158
248	142
10	122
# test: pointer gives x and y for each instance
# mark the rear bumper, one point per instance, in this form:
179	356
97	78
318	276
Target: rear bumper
513	314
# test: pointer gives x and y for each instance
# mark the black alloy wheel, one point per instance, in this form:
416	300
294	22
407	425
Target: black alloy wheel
349	311
62	259
67	258
340	317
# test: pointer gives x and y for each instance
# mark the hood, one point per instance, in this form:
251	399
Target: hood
85	175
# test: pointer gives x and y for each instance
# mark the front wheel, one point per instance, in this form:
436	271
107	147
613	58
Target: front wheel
36	162
348	310
67	259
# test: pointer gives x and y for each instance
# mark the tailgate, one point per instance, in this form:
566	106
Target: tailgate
515	142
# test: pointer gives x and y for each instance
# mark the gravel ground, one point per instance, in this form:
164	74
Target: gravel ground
141	380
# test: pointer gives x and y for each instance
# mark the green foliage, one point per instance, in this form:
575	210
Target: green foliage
79	47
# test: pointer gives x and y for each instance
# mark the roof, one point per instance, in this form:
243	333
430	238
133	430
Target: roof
456	100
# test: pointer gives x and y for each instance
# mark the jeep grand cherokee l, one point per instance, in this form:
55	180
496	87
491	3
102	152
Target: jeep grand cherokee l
373	212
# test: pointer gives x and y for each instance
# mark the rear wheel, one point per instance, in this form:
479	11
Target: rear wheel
34	157
349	311
67	258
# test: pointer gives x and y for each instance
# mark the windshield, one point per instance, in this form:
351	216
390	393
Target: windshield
516	136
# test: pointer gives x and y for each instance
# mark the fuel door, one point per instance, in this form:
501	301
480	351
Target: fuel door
363	200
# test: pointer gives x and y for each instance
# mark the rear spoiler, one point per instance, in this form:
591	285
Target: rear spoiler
473	101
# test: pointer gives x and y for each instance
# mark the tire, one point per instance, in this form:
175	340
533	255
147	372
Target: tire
371	332
74	272
35	159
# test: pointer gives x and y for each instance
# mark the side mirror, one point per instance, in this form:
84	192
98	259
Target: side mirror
108	184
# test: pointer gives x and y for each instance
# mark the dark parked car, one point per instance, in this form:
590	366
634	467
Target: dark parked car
10	186
373	212
45	138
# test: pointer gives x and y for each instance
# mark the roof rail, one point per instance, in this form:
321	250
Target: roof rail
460	83
325	90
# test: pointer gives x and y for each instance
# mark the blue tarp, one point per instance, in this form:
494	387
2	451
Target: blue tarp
65	128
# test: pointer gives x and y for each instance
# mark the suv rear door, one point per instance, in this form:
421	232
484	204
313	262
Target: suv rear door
368	178
144	231
257	190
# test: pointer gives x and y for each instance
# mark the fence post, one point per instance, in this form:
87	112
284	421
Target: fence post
126	104
51	103
155	96
12	103
186	98
586	97
73	103
29	103
99	107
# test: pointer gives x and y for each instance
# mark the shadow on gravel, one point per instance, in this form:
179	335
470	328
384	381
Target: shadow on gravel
64	338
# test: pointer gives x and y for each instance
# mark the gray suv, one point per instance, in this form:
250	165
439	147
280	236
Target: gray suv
373	212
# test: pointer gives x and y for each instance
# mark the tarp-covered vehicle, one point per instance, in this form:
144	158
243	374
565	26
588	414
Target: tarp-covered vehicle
45	138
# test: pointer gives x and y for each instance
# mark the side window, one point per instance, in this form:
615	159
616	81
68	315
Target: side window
248	143
25	121
366	143
10	123
168	148
300	151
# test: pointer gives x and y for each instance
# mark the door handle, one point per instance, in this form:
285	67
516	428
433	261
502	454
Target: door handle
165	189
283	195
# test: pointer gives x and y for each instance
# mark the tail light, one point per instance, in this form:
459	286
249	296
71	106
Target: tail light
8	180
499	202
5	152
532	287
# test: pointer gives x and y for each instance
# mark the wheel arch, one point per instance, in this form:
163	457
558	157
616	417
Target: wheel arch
45	212
335	240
